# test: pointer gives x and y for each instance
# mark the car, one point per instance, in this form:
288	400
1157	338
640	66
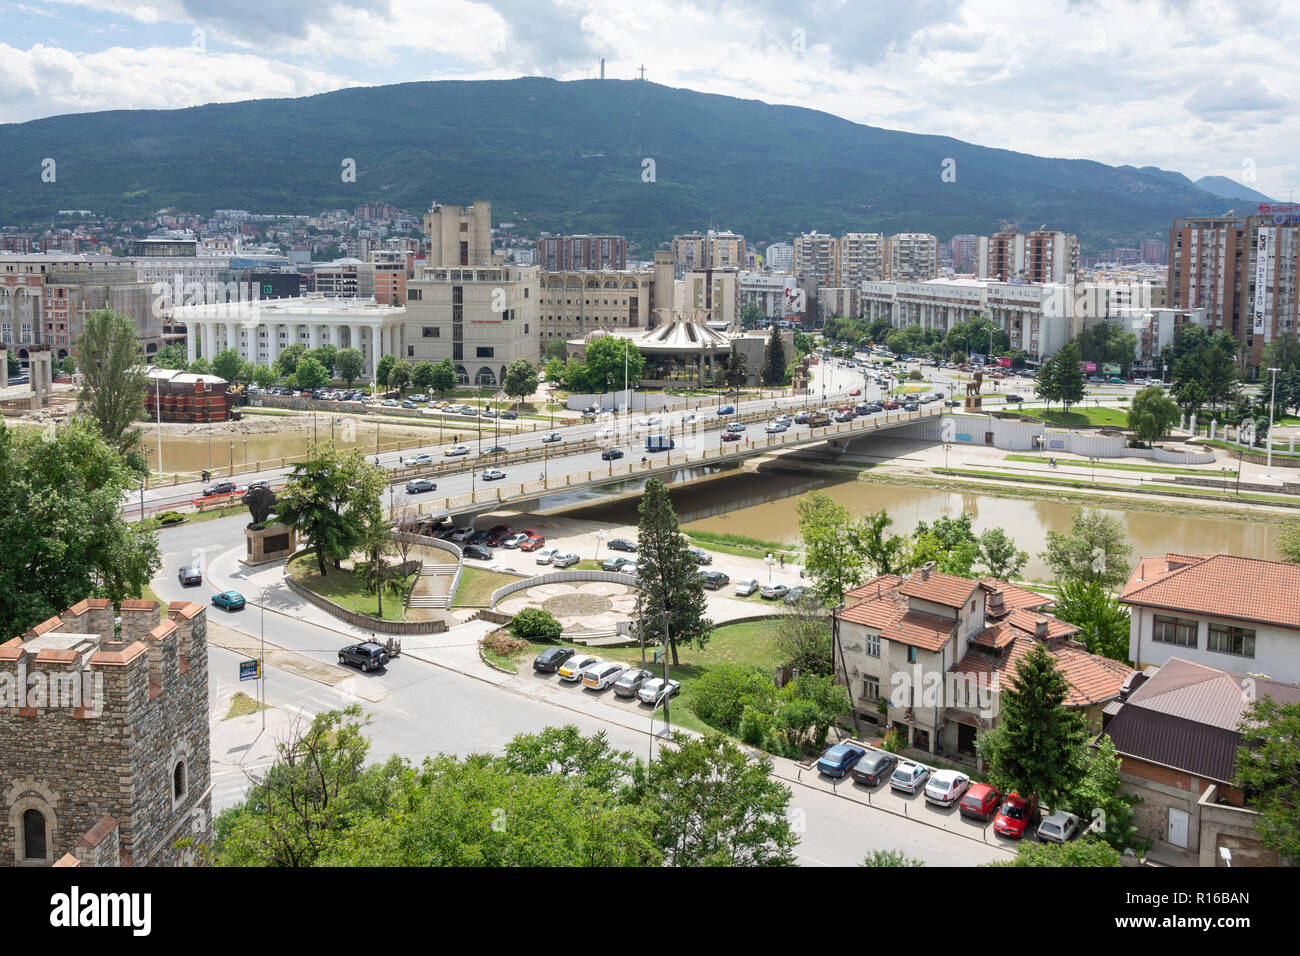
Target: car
368	656
550	437
480	537
1058	827
407	403
220	488
462	534
842	417
875	768
496	450
190	574
945	787
727	410
390	403
456	450
420	397
514	541
545	555
729	435
951	403
715	580
532	542
495	535
572	669
1013	816
622	544
775	428
700	556
1016	399
691	419
490	413
605	433
417	460
492	474
911	407
549	660
610	454
909	776
839	760
856	391
891	405
477	552
652	691
419	486
801	418
631	680
746	587
1114	380
796	595
980	802
510	416
774	591
230	600
614	564
628	568
565	560
599	678
736	427
1096	380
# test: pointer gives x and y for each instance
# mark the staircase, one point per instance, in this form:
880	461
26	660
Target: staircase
433	589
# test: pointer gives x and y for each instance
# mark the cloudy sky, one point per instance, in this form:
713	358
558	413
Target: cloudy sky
1206	87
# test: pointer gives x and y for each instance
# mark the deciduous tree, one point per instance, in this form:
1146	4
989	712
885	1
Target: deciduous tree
1268	768
350	365
113	377
1094	549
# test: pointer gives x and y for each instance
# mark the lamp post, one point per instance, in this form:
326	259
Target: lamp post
769	561
946	447
600	536
1268	469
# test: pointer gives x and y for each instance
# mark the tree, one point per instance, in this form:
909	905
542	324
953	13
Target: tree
1108	343
556	350
1268	768
884	554
1067	377
169	356
331	499
669	587
1000	555
1046	387
1094	549
717	807
950	543
385	365
444	377
1152	415
64	537
1097	799
263	377
1288	542
289	358
1104	620
422	375
775	372
227	364
520	380
1088	852
890	858
751	315
803	639
399	376
350	365
327	355
68	366
737	372
311	373
113	379
1282	353
1036	749
602	368
834	551
535	624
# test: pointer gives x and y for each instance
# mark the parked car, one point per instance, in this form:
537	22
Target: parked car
220	488
891	405
492	474
622	544
980	802
532	541
417	460
549	660
545	555
462	534
509	416
600	677
746	587
628	568
729	435
478	552
875	768
368	656
652	691
715	580
911	407
774	591
614	564
945	787
514	541
456	450
631	681
840	759
190	574
700	556
1013	817
551	437
797	595
572	669
565	560
1016	399
1059	827
909	776
230	600
420	486
776	428
610	454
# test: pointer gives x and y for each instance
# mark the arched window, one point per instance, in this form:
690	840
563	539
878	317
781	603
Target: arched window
485	377
34	835
178	780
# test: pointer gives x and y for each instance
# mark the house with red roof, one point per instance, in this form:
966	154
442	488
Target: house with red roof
926	653
1220	610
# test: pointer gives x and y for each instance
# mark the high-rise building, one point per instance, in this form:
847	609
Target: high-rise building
862	258
1044	255
1154	251
965	253
780	257
912	257
459	235
708	250
713	291
817	259
578	253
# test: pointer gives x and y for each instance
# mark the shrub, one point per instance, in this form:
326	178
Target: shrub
535	623
721	695
501	643
893	741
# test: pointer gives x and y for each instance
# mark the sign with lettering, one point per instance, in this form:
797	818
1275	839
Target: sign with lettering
250	670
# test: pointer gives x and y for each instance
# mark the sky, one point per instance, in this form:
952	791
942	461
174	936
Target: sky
1204	87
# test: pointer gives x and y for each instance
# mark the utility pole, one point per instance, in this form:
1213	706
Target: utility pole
1268	470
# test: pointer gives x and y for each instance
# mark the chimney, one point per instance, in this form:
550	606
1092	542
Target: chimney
926	569
1040	628
602	67
995	603
1131	683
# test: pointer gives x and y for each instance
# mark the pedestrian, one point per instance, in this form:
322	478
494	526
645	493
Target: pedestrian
782	560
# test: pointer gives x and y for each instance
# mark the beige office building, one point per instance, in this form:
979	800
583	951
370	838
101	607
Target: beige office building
459	235
862	258
709	250
574	303
715	291
913	257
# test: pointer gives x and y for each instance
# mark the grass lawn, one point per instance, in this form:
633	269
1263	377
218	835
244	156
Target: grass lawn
1279	450
477	585
241	705
1121	466
1081	482
1080	416
739	545
346	589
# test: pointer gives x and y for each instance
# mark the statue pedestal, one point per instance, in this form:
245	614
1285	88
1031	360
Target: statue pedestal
973	403
269	544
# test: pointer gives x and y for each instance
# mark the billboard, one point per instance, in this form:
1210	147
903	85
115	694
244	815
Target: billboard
1004	362
1263	276
1111	368
1088	366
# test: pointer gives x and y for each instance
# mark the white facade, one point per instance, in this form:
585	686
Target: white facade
769	292
780	257
1275	651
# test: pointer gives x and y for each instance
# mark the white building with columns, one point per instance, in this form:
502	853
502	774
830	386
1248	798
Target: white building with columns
260	329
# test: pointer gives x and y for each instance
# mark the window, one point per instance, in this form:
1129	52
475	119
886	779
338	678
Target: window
178	780
34	835
483	351
457	294
410	351
1230	639
911	655
873	645
414	295
871	690
1172	630
458	351
432	332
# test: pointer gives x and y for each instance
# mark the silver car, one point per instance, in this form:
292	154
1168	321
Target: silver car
1060	827
564	560
600	676
632	680
652	691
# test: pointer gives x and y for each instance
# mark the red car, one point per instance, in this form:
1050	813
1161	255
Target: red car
497	535
1014	817
731	436
534	542
856	391
892	404
980	802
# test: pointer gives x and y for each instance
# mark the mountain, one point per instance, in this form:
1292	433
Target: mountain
1231	189
570	156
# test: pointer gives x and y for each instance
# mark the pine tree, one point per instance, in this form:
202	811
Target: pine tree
668	579
775	358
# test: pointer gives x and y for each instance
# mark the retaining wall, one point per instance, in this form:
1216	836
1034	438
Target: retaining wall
356	618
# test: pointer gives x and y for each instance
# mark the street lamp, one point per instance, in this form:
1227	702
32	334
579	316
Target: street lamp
1268	470
770	561
600	536
946	447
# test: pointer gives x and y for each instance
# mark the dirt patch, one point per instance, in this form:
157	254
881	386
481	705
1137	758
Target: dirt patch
577	605
500	642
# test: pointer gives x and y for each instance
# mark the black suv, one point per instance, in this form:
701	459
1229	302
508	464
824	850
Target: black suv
368	656
713	580
549	660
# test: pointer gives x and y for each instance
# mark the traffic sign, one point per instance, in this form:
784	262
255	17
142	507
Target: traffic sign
250	670
659	656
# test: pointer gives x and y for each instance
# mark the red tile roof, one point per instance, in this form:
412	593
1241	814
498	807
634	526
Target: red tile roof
1016	598
1027	621
946	589
1219	585
926	631
1090	679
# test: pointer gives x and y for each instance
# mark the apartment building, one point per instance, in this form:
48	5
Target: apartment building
862	258
343	279
708	250
714	291
1041	256
817	259
772	293
390	270
780	257
459	235
965	253
581	253
1154	251
573	303
912	257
